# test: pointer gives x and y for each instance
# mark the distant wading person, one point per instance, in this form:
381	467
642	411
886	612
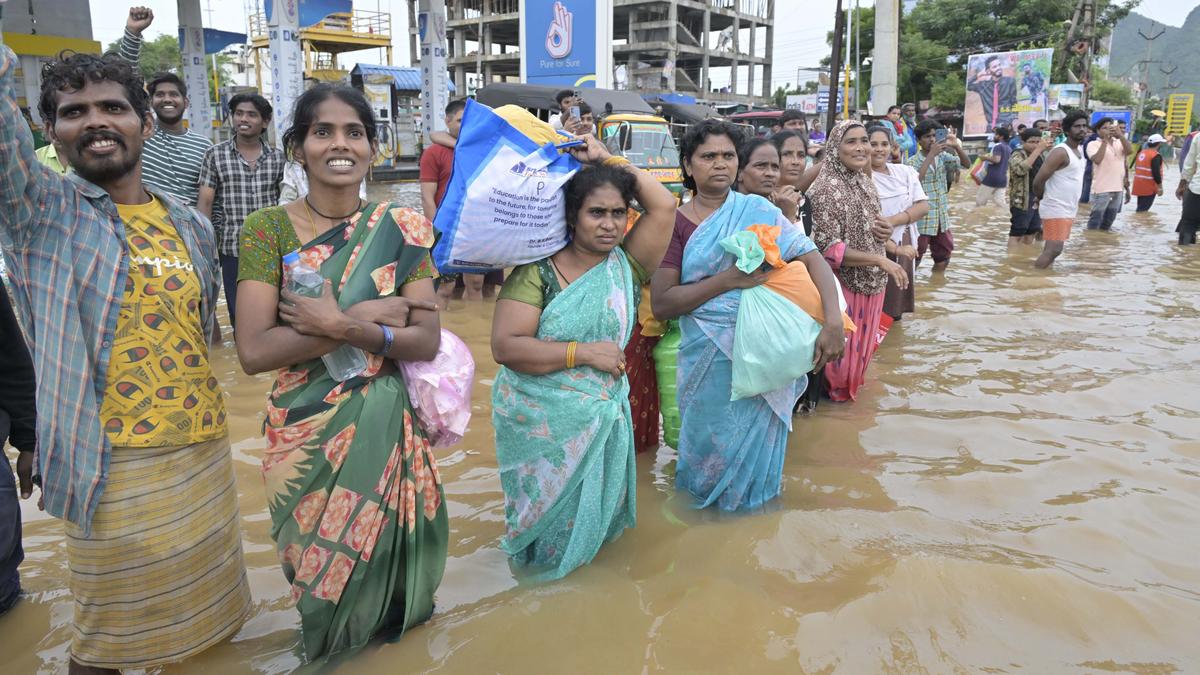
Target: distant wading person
1057	187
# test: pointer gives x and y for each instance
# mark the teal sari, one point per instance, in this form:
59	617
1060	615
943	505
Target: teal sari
564	440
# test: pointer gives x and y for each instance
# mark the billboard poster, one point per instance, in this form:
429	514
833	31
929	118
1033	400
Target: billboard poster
1006	89
566	42
805	103
1065	96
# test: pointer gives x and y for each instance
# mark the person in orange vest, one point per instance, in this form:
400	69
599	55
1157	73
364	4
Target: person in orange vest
1147	173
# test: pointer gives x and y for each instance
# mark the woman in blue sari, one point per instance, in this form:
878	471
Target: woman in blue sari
730	452
560	403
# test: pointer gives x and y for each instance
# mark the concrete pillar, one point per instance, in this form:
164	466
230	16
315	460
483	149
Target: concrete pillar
885	60
750	78
766	88
737	50
705	85
673	39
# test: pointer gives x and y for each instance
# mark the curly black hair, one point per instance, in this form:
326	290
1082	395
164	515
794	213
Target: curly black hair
589	178
72	72
697	134
305	114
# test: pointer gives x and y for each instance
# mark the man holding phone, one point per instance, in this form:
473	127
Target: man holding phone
1107	154
936	153
569	119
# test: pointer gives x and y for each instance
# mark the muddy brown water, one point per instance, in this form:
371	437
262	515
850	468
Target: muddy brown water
1016	490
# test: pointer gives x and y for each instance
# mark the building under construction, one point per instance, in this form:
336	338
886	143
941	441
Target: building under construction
718	51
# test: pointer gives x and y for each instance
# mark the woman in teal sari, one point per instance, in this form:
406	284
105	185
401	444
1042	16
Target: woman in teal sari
560	402
730	452
357	510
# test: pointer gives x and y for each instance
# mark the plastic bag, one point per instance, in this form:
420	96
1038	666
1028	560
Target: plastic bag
772	344
440	390
666	360
978	169
793	282
504	205
774	336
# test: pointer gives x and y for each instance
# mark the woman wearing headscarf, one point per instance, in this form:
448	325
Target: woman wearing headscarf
730	452
850	231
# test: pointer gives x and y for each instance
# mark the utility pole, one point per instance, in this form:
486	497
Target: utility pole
835	67
885	59
846	94
1088	10
1144	86
857	54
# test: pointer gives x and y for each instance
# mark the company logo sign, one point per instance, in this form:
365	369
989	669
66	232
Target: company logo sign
559	36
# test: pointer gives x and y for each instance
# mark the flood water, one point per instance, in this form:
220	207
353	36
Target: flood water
1017	490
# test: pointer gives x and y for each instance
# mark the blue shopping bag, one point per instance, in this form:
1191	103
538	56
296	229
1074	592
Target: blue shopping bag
505	204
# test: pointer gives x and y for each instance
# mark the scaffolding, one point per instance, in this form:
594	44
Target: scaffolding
324	41
663	45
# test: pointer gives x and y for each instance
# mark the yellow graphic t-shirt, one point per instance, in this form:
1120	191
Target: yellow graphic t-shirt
160	390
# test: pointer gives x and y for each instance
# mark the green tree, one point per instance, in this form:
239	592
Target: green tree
937	36
162	54
1110	92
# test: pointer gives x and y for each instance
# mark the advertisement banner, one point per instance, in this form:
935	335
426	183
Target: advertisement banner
287	64
435	82
1125	116
1065	96
1006	89
805	103
566	42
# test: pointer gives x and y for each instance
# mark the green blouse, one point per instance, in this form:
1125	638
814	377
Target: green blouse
536	283
268	235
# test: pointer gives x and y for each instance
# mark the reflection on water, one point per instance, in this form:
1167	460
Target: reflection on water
1016	490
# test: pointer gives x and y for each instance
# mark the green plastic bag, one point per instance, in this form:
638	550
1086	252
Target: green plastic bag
666	358
772	343
773	339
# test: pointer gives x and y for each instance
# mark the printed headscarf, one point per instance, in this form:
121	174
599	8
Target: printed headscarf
844	206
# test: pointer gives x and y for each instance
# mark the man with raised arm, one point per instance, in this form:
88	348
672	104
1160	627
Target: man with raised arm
115	283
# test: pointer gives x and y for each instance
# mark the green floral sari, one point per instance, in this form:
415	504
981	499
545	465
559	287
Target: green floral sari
564	440
356	504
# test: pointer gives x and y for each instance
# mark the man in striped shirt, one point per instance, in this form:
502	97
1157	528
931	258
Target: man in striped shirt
171	158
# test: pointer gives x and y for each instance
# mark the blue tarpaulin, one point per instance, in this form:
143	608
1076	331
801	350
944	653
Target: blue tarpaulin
216	40
312	11
407	79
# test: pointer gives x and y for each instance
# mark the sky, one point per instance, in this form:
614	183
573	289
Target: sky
799	47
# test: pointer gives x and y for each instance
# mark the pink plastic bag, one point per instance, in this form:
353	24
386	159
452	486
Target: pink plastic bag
440	390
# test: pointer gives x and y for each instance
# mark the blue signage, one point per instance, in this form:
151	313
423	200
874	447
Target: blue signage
1125	116
560	42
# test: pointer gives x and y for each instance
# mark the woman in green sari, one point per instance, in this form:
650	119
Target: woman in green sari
357	510
560	402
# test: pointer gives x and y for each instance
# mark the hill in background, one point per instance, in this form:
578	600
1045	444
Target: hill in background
1178	46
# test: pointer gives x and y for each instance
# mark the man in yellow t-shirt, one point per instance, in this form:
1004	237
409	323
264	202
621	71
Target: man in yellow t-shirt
160	387
119	283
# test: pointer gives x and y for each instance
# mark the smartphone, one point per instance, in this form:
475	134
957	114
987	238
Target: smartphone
574	111
940	135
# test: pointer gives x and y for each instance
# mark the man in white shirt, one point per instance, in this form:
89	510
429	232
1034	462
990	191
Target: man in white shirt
1189	191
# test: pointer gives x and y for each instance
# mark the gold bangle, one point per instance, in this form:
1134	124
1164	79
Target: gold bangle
571	347
616	160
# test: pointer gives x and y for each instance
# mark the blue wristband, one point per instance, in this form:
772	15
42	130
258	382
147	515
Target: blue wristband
388	338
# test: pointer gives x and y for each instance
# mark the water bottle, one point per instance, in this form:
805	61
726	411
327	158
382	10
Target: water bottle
344	362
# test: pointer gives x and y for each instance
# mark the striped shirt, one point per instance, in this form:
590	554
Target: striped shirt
170	162
240	190
65	243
